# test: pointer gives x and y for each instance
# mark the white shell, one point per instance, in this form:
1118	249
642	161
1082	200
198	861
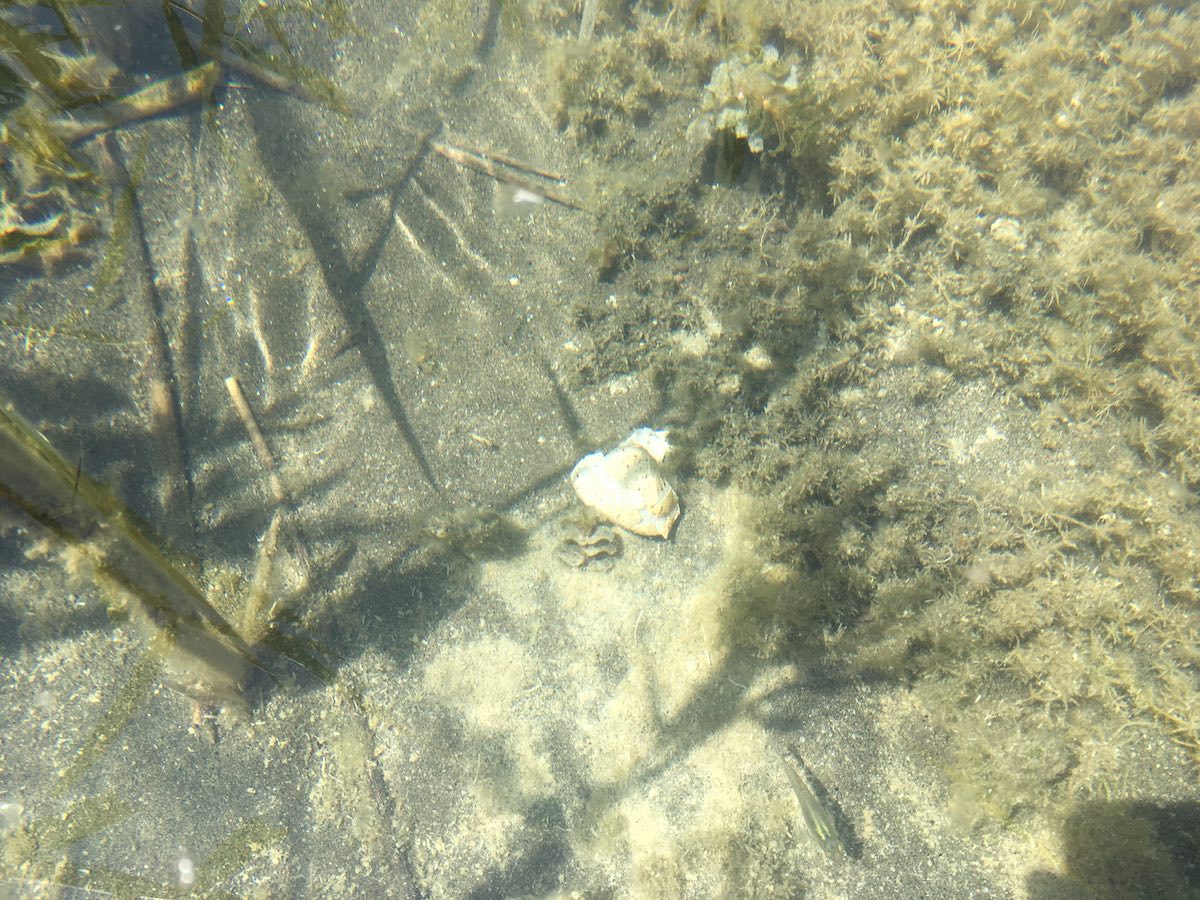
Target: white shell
625	487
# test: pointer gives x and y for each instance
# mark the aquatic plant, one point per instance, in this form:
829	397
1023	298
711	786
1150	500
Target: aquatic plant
58	90
998	232
107	542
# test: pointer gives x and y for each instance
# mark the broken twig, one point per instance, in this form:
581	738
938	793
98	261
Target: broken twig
281	494
490	164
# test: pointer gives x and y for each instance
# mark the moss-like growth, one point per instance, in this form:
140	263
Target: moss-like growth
976	436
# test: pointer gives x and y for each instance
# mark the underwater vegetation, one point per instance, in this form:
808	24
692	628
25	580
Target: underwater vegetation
39	482
64	79
70	74
924	276
921	280
33	850
189	644
48	194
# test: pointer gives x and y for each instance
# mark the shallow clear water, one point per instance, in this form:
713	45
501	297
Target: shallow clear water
297	600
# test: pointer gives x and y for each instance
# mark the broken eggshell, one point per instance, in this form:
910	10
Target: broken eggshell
625	487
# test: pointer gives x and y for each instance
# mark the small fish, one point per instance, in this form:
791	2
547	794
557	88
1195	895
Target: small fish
818	819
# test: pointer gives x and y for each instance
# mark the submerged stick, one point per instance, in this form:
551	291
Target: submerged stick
512	162
166	407
587	21
262	450
159	97
257	441
41	483
491	165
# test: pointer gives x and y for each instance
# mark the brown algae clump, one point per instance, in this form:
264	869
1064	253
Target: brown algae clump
976	445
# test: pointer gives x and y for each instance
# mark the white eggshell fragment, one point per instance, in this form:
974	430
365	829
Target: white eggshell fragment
625	487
